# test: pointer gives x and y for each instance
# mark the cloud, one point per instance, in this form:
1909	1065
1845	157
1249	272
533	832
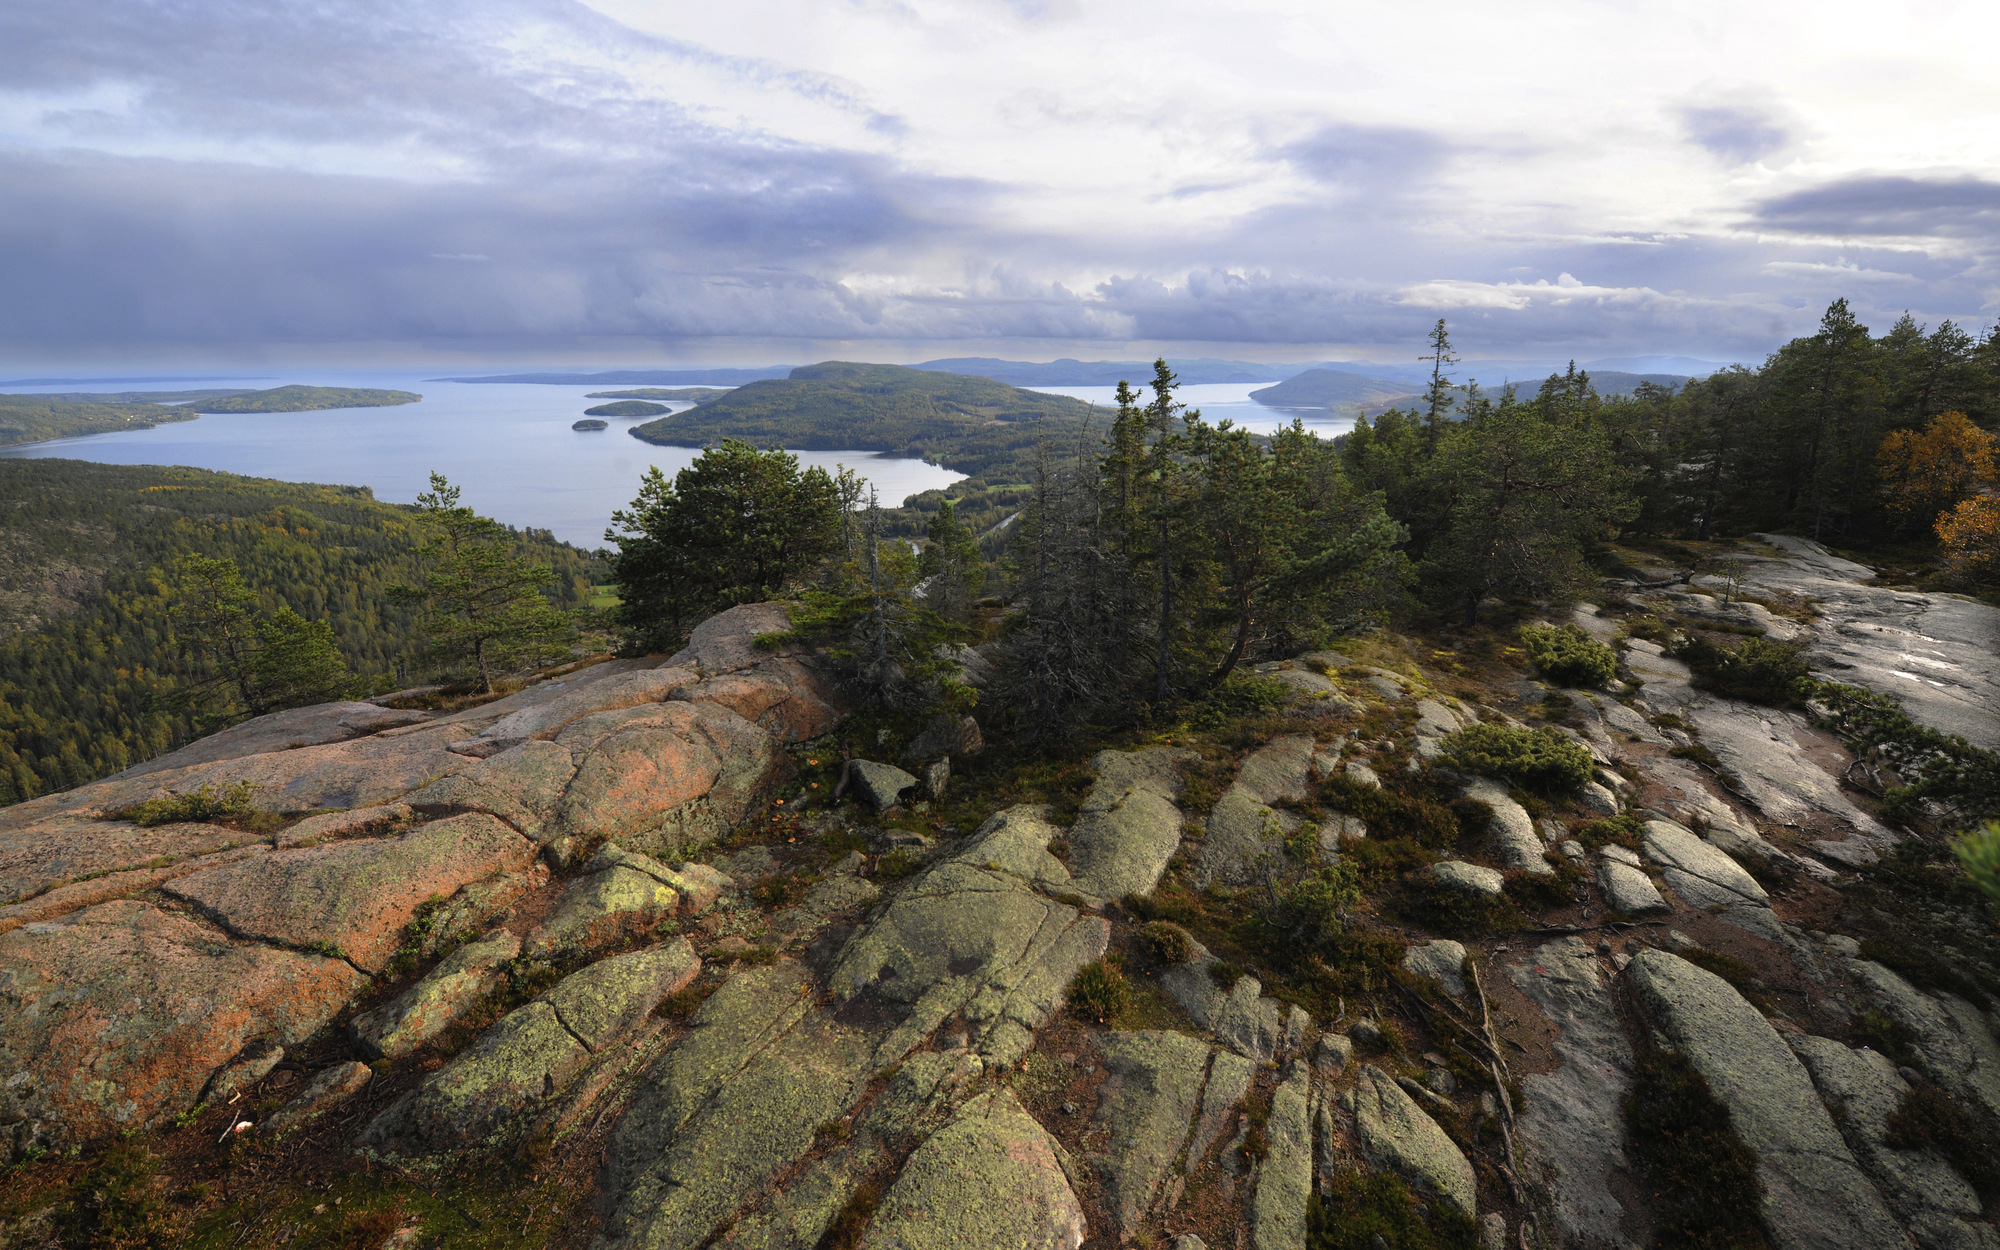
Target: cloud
1738	133
1889	205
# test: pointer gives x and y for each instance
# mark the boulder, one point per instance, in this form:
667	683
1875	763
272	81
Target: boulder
1955	1043
1814	1192
1145	1109
992	1177
1597	798
1442	961
491	1091
1361	774
1627	889
1471	878
1511	827
1572	1133
1395	1134
568	698
1229	1077
118	1016
1697	871
436	1002
789	698
1284	1179
327	1090
944	736
881	786
1240	1017
356	897
727	641
1129	826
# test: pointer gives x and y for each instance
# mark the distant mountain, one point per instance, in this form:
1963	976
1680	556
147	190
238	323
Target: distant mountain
637	377
1685	365
1201	371
1325	388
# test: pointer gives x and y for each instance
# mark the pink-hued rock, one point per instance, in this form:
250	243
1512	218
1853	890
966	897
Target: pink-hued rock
283	731
355	896
787	697
642	767
359	822
584	693
118	1016
520	785
42	855
725	642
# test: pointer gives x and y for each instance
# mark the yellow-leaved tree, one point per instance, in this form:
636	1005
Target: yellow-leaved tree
1925	472
1970	534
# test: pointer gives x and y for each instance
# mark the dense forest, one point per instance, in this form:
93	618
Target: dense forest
38	418
308	399
88	656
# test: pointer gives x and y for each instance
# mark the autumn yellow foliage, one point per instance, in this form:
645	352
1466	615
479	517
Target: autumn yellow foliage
1971	537
1925	472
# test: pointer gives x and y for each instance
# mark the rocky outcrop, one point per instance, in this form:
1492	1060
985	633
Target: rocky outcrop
992	1177
436	1001
1954	1042
1512	829
1130	826
1700	873
1244	830
1238	1014
1395	1133
1627	889
1146	1109
975	933
1285	1177
1815	1194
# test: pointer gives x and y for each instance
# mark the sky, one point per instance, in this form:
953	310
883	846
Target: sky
225	183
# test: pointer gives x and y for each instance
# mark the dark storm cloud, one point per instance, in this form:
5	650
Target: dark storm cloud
1890	205
1739	134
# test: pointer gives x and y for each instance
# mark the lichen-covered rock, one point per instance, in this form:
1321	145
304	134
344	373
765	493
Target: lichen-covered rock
522	785
1129	827
1814	1192
362	822
1471	878
1441	960
1513	830
1145	1108
317	725
353	897
1284	1178
434	1003
492	1090
327	1090
881	786
1240	1017
992	1177
789	698
737	1101
1394	1133
1937	1204
1627	888
571	698
117	1016
602	910
1572	1133
662	777
1697	871
1243	828
972	934
1956	1045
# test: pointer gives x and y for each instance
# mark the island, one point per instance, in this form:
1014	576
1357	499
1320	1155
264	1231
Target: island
39	418
626	408
307	399
698	394
590	423
1329	388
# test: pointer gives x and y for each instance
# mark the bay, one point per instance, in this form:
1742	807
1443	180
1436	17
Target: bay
1221	401
508	446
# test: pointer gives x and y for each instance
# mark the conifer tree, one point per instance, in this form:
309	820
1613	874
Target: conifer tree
249	662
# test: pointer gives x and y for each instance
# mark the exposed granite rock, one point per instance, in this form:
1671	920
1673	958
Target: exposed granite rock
1229	1077
362	822
317	725
575	697
1145	1109
1440	960
1940	1209
881	786
1240	1017
491	1091
117	1016
1472	878
1814	1192
602	910
1394	1133
1572	1135
1957	1045
1627	889
1765	749
1243	829
1697	871
1129	826
972	933
522	785
355	897
328	1089
1284	1178
992	1177
434	1003
1511	828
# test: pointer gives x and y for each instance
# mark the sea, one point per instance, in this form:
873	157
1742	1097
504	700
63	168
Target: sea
508	446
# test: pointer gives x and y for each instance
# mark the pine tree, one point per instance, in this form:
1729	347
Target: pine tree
950	565
250	662
1437	395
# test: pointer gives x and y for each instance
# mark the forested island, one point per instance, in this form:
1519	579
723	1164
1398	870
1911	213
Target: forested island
308	399
626	408
38	418
683	394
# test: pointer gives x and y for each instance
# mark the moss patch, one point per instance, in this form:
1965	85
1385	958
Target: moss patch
1362	1212
1703	1179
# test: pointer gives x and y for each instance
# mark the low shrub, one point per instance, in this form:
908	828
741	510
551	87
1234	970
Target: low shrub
899	863
1167	942
1544	891
1941	768
1456	913
1568	656
1241	695
1544	760
1703	1178
1404	807
1758	671
1098	992
1979	854
1314	908
1619	830
1885	1033
204	803
115	1203
1928	1120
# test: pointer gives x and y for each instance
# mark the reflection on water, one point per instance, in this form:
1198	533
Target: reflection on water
1223	400
510	447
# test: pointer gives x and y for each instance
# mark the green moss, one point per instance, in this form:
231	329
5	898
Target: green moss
1166	942
1741	976
1703	1179
116	1203
1568	656
203	803
1541	760
1357	1211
